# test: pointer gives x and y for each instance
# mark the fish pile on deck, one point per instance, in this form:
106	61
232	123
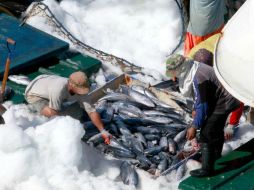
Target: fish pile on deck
147	133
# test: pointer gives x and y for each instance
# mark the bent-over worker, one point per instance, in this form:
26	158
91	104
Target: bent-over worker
205	56
212	106
48	92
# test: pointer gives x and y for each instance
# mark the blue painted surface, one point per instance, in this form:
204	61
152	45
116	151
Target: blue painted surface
32	45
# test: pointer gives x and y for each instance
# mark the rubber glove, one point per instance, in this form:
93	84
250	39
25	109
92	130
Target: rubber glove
229	131
195	145
106	136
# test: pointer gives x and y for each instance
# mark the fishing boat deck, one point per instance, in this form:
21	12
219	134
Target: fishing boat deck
36	53
32	45
233	171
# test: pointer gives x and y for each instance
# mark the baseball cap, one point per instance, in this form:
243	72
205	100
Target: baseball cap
79	82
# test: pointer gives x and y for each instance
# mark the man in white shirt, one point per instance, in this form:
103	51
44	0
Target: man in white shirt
50	91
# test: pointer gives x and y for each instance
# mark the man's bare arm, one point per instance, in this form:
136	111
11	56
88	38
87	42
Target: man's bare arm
48	112
96	119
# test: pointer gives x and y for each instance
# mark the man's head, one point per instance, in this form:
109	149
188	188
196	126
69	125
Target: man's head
78	83
175	65
204	56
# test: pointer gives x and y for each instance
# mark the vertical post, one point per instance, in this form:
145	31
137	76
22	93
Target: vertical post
7	67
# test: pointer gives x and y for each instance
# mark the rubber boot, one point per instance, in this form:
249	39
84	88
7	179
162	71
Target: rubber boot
217	151
208	159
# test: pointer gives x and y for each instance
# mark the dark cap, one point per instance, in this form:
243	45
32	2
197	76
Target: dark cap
204	56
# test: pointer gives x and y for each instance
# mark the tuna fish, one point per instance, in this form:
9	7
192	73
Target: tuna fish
158	120
116	144
180	171
150	113
128	174
146	130
161	167
95	140
164	143
121	153
128	113
123	105
20	79
144	162
156	100
152	137
141	138
138	88
141	98
135	144
171	146
180	136
115	97
153	150
122	127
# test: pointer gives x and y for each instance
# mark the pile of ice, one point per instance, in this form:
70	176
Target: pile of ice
142	32
47	154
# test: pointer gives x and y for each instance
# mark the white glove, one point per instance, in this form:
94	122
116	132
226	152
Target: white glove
106	136
195	145
229	131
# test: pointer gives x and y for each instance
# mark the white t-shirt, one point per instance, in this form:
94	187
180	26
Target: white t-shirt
54	89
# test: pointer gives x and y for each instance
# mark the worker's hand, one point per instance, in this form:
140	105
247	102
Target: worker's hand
229	131
193	114
195	145
191	133
106	136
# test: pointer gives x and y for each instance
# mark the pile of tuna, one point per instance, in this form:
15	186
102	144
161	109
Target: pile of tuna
147	133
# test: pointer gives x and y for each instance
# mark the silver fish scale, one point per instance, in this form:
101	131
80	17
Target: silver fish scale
141	138
160	120
141	98
153	97
150	94
127	109
180	136
151	113
138	88
115	97
114	143
171	146
20	79
128	113
164	142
